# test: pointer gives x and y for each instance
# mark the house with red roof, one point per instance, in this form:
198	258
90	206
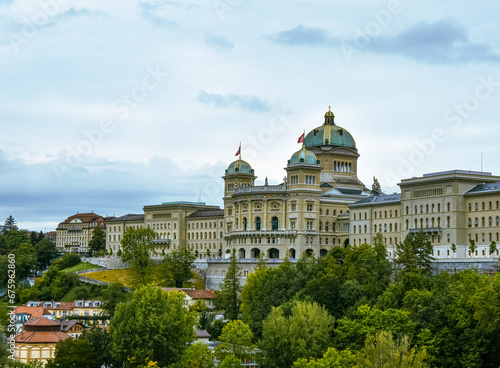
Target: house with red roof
38	340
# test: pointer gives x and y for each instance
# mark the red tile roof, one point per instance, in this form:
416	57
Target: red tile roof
34	312
37	337
85	218
42	322
195	294
201	294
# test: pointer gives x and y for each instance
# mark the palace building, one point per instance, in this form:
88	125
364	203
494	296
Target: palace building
307	212
320	204
454	208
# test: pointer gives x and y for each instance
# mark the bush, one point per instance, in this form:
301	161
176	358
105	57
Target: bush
70	260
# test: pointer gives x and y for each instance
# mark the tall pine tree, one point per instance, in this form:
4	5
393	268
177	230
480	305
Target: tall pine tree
228	298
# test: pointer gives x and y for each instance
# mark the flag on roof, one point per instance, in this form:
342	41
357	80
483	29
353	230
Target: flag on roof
301	138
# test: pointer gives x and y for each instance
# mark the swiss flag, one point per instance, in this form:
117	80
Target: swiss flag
239	151
301	138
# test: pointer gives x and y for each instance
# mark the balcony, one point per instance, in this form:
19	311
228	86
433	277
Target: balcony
261	233
426	230
161	241
261	189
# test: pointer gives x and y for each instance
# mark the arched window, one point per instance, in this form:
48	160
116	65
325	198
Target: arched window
257	223
275	224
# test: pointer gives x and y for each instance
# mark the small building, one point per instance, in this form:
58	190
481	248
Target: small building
72	327
25	314
38	340
192	296
202	336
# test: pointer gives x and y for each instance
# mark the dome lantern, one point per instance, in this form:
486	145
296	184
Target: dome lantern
329	117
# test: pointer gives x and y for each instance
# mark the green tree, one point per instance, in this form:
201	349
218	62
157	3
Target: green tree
235	339
13	239
73	353
453	249
350	333
98	241
414	253
331	359
270	287
100	342
138	247
177	266
69	260
493	248
228	298
26	260
305	334
383	352
197	355
9	224
46	252
230	361
153	325
472	247
115	293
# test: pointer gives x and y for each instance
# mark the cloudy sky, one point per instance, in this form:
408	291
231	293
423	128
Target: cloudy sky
110	106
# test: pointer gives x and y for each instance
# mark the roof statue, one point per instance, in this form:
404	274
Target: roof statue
376	189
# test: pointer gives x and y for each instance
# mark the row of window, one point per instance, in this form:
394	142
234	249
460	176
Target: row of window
385	228
327	212
205	235
200	225
391	241
483	206
162	226
483	221
327	226
483	237
342	166
310	179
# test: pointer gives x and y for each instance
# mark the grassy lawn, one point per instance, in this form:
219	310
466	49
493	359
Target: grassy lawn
81	267
125	277
122	276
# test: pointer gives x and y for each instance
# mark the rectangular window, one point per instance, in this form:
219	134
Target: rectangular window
309	207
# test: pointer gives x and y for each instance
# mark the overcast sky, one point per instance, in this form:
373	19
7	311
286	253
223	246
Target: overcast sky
110	106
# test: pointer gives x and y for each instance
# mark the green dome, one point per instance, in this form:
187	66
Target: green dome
239	166
329	134
304	156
